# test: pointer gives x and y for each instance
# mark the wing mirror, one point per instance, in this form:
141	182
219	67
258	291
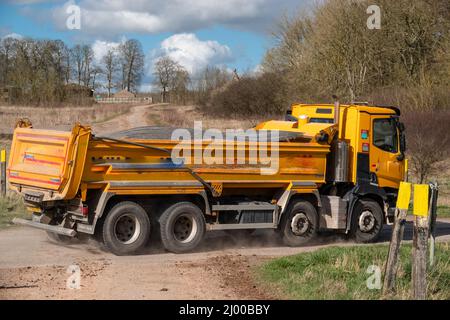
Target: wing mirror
401	129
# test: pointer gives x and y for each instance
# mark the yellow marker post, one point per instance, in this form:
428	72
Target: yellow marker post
421	200
404	196
420	241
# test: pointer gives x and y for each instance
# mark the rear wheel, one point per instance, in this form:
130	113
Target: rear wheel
58	238
182	227
299	224
367	221
126	228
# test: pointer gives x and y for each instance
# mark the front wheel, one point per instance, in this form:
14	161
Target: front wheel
182	227
300	224
126	228
367	221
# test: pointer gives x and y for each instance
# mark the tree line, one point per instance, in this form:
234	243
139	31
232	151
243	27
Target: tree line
42	69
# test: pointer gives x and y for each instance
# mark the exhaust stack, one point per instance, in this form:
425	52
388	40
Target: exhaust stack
338	164
336	110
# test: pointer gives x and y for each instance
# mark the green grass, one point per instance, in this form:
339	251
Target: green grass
11	206
340	273
443	212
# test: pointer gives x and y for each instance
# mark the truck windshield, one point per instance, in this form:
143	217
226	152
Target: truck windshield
385	134
321	120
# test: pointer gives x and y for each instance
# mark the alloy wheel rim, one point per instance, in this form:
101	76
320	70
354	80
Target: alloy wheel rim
127	229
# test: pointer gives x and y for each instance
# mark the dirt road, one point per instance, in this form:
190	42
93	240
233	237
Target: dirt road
136	117
33	267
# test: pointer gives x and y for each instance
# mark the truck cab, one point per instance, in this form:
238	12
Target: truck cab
375	135
367	149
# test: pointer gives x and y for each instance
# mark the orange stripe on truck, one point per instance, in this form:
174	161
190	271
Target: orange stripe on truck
35	180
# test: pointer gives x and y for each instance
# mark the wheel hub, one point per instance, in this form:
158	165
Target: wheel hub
366	221
127	229
185	228
300	224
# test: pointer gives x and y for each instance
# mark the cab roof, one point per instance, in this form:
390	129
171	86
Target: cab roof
320	109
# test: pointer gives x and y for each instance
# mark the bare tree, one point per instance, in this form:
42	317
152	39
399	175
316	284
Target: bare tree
165	71
210	79
109	66
180	84
7	47
88	57
428	143
78	62
132	62
95	71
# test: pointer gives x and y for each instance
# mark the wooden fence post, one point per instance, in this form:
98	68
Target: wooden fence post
420	242
3	171
404	196
432	218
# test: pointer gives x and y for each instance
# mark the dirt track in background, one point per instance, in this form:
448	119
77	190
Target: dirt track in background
33	267
136	117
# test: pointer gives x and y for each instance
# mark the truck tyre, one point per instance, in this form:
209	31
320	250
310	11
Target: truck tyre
182	227
299	224
367	221
126	228
55	237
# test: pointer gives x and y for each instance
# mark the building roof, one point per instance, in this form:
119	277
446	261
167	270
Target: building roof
124	94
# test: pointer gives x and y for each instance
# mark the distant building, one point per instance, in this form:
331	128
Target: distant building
124	94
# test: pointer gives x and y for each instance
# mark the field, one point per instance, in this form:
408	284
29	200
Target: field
185	116
58	117
340	273
10	207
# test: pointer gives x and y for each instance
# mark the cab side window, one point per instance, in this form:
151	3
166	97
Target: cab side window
385	134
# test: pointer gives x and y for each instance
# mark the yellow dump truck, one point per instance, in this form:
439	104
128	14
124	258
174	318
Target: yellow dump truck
322	170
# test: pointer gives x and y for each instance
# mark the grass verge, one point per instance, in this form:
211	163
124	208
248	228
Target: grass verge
340	273
11	206
443	211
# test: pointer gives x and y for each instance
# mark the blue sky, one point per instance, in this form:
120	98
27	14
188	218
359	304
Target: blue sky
232	33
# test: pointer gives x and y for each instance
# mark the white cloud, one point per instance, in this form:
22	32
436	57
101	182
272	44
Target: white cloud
13	36
106	17
147	87
258	69
100	48
29	1
193	53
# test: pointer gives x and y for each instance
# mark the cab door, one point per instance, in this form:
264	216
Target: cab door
385	155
